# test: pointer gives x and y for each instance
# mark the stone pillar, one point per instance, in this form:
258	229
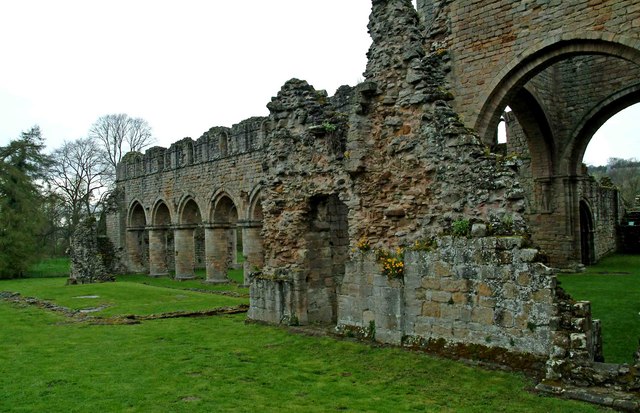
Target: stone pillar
252	249
216	245
134	251
158	252
185	253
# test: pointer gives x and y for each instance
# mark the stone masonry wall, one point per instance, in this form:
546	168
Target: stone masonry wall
487	291
237	175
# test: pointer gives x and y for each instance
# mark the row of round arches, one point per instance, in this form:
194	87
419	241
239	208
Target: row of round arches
165	238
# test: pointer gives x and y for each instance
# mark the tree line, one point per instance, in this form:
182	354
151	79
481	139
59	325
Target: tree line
44	197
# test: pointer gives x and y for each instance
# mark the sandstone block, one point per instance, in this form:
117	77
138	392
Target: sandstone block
482	315
431	309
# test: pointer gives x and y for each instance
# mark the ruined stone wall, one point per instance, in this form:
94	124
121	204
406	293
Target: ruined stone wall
486	291
407	168
606	208
223	159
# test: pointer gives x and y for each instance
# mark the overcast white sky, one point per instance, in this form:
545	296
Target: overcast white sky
185	66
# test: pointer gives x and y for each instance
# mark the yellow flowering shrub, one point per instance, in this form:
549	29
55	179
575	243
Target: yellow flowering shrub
363	245
392	262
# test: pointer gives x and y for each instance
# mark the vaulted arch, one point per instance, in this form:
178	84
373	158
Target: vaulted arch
189	212
189	239
224	209
561	91
137	238
161	214
161	241
222	237
526	65
137	217
595	119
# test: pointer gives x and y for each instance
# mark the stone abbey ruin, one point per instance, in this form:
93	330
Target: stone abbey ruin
390	209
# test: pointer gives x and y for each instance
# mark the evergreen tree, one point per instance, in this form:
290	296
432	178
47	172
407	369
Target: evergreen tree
22	167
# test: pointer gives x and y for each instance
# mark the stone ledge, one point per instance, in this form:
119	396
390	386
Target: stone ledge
597	395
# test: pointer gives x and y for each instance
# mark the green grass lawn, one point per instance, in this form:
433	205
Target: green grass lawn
613	287
221	364
120	298
50	267
197	284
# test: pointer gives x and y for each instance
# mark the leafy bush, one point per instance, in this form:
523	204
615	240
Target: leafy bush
461	228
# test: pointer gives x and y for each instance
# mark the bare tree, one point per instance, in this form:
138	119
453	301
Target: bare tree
119	134
80	176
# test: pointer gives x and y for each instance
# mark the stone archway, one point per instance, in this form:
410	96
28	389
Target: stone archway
184	240
252	243
559	95
160	241
137	238
221	238
586	234
531	63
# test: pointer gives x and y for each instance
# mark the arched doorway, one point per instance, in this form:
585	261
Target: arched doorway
137	238
184	239
221	239
327	242
161	246
586	234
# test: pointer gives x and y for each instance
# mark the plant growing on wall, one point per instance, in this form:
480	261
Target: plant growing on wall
461	228
363	245
423	245
392	262
329	127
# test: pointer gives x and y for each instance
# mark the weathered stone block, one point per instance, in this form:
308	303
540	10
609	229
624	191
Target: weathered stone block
430	309
442	269
482	315
459	298
578	341
582	309
484	290
453	285
441	296
430	283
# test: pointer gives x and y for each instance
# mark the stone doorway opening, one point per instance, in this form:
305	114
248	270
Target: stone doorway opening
586	234
222	240
185	241
327	252
161	242
137	239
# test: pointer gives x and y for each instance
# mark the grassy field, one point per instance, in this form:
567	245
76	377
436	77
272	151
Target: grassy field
51	267
53	363
50	363
613	287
